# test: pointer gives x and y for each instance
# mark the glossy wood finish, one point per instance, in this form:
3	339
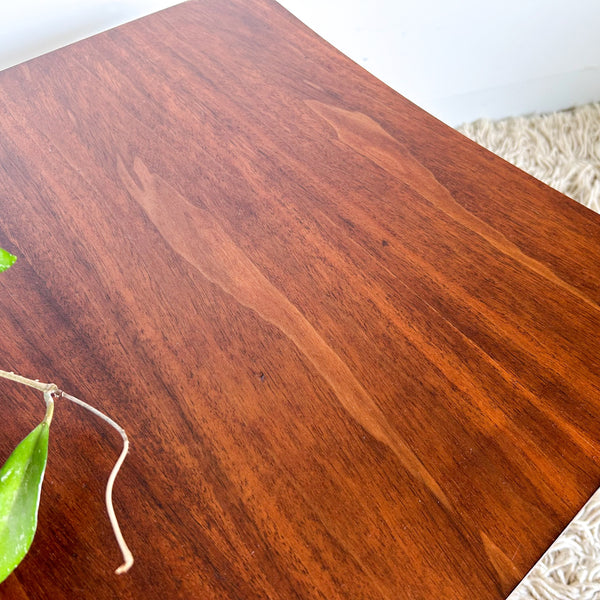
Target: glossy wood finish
355	353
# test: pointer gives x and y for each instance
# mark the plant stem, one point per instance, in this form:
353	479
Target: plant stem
34	383
48	389
127	556
49	398
51	391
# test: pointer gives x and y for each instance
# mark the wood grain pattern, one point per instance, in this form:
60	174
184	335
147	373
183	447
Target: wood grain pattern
355	353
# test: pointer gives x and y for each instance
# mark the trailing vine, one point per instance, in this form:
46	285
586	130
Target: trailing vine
22	474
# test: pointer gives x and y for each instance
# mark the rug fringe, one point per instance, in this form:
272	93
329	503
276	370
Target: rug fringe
561	149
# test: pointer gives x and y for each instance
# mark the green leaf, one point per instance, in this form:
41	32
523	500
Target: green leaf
6	260
20	486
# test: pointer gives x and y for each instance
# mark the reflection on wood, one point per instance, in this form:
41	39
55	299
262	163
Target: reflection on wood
196	236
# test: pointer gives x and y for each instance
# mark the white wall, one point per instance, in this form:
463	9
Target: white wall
29	28
464	59
458	59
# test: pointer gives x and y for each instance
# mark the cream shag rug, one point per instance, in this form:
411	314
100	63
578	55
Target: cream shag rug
563	150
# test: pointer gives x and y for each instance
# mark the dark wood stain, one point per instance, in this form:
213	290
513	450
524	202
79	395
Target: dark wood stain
355	353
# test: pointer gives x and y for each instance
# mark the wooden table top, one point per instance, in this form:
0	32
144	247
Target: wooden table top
355	353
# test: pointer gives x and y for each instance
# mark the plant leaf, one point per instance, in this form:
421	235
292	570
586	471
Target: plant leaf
6	260
20	486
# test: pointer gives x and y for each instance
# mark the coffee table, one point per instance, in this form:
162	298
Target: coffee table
355	353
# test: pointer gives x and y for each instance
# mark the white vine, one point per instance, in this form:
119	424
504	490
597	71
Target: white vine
52	392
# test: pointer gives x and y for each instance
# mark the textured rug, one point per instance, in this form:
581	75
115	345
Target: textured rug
563	150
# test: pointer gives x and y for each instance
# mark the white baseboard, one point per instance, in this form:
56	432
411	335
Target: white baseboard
543	95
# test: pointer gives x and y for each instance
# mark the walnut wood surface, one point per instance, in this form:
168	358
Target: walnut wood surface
356	354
